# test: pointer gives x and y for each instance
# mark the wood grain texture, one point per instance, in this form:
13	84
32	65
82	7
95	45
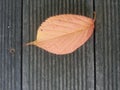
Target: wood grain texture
107	45
45	71
10	44
94	66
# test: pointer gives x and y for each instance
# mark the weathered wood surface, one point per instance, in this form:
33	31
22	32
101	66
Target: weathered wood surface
94	66
44	71
107	45
10	44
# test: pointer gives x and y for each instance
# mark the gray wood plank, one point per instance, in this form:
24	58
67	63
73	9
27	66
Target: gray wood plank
10	44
107	45
45	71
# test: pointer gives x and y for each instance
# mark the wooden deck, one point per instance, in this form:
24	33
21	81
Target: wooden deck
94	66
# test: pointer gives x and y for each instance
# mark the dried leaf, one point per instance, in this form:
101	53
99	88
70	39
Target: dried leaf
62	34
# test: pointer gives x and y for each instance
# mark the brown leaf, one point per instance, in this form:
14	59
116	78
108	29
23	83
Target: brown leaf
62	34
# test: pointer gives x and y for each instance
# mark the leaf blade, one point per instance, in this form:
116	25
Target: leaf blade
64	39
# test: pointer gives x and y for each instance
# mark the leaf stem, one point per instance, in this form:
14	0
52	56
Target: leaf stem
30	43
94	16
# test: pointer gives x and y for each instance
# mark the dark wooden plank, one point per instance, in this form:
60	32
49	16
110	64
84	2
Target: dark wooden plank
107	45
10	44
45	71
